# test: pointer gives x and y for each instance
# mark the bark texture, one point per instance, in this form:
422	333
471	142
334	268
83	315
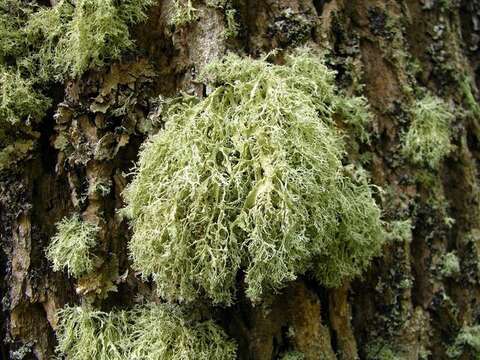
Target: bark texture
385	50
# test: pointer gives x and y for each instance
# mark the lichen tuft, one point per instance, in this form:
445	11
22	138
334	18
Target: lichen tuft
251	179
427	141
84	35
466	343
70	248
149	332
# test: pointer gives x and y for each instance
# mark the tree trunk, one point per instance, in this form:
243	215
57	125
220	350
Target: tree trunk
403	306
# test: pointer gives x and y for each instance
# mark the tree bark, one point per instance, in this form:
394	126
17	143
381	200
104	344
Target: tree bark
384	50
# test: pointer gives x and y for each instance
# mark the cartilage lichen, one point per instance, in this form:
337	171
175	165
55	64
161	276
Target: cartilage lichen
466	342
251	179
427	141
75	37
183	13
148	332
70	248
19	103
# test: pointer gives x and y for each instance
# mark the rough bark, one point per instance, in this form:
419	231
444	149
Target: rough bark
382	49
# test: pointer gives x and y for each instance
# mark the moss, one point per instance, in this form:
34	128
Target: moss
143	333
89	34
427	141
467	342
70	248
450	265
183	13
251	179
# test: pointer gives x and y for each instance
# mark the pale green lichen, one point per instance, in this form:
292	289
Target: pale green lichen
380	350
427	141
151	332
15	152
19	102
183	13
467	342
251	179
70	248
75	37
293	355
231	27
399	231
13	16
20	107
221	4
450	265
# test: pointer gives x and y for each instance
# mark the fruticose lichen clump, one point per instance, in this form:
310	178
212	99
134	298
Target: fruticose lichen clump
19	103
149	332
40	45
427	141
70	248
467	342
77	36
250	182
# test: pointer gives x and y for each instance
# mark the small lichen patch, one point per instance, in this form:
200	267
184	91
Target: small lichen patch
70	248
19	102
450	265
467	342
183	13
83	35
251	179
293	355
148	332
427	141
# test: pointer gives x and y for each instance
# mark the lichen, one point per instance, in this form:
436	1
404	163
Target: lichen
450	265
231	27
399	231
183	13
19	102
380	350
13	16
70	248
144	333
292	355
86	34
467	342
16	151
41	45
427	141
20	108
251	179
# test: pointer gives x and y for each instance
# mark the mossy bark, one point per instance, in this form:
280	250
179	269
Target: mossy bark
389	51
